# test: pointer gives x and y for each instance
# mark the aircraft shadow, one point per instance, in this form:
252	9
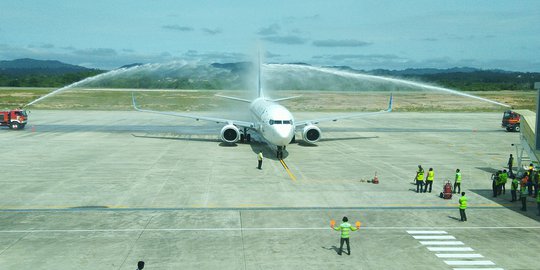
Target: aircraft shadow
487	169
505	201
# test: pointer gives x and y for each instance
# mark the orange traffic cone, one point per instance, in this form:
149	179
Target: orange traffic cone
375	179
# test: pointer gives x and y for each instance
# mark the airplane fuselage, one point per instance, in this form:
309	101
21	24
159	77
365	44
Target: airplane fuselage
273	121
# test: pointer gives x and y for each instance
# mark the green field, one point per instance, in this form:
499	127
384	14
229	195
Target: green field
204	100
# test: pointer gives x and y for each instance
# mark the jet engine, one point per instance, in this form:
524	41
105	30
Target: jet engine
230	134
311	134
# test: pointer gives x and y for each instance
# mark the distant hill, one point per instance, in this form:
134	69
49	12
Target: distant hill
32	66
41	73
38	73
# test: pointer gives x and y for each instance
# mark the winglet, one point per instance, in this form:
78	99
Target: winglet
134	102
390	103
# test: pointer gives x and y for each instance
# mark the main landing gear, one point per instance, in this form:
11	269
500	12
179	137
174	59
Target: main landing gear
245	136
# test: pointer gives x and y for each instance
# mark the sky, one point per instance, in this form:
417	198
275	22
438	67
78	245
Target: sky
365	35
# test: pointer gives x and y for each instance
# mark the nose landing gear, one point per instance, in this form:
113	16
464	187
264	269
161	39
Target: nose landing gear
280	151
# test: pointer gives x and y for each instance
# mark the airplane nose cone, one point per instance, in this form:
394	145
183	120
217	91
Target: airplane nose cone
285	135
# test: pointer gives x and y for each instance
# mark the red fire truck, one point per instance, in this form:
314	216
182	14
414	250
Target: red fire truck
511	120
14	119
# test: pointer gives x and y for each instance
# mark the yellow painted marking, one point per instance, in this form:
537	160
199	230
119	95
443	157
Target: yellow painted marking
287	169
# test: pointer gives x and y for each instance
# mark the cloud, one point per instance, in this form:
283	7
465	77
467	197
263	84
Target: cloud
212	31
97	52
291	40
340	43
270	30
176	27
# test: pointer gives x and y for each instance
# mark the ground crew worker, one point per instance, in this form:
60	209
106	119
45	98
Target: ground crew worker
510	164
463	206
495	183
513	189
530	182
523	196
419	179
535	183
538	204
260	158
429	179
345	229
457	181
504	179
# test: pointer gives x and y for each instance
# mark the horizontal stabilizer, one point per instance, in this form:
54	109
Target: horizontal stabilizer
281	99
235	98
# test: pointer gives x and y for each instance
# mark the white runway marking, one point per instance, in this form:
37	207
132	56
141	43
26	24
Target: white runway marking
469	262
441	243
450	249
444	246
426	232
458	255
434	237
478	268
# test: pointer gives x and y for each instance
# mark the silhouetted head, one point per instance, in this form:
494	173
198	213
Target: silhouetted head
345	219
431	169
457	170
504	171
140	265
462	193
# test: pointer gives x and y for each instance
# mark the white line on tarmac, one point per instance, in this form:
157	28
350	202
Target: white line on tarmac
433	237
478	268
441	243
459	255
469	262
426	232
450	249
246	229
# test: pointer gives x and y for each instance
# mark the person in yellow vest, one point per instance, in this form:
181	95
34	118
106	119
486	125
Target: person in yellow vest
513	189
463	206
260	158
523	197
429	180
345	229
419	179
457	181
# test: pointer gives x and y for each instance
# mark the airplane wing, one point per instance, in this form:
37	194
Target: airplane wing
335	118
205	118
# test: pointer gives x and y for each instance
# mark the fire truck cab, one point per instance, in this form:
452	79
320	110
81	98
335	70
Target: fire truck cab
14	119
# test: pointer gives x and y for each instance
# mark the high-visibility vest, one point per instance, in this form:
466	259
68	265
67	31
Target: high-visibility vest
515	184
463	202
458	177
345	229
523	192
260	156
420	175
504	177
430	175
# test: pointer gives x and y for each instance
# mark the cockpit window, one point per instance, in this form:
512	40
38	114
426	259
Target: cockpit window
279	122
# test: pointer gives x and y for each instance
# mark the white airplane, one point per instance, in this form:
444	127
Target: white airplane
273	122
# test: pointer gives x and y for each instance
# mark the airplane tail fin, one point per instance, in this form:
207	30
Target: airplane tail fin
259	86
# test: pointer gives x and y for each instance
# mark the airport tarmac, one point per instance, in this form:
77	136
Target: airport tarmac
105	189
